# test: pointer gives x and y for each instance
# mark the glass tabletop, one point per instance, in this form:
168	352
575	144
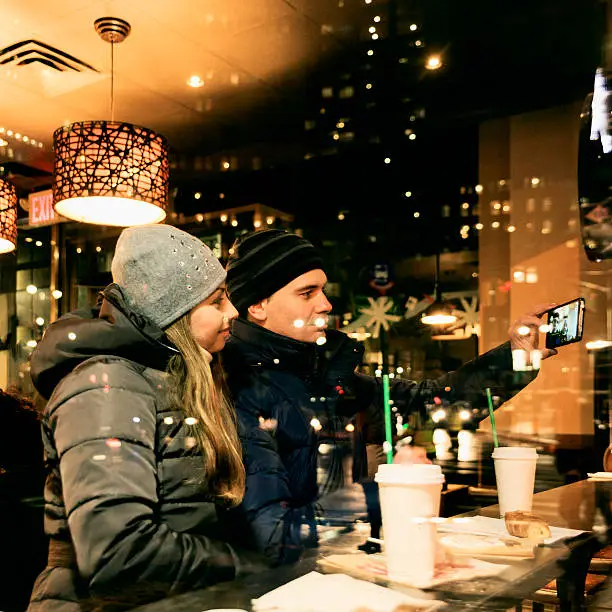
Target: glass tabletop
584	505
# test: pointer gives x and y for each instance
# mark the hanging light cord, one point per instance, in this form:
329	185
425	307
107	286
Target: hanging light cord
437	295
112	109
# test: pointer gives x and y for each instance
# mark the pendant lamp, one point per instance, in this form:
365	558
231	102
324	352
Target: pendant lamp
108	172
438	313
8	216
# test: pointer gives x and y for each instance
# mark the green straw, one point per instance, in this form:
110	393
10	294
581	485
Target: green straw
387	403
492	415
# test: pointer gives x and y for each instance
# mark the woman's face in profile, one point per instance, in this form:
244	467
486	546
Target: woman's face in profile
210	320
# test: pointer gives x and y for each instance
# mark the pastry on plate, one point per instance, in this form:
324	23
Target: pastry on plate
526	525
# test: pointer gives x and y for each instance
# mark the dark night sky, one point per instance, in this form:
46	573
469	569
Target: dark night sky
500	58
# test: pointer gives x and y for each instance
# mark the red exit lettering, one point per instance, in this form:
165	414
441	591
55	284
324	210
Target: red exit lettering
41	208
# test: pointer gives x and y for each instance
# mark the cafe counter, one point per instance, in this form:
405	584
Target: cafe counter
583	506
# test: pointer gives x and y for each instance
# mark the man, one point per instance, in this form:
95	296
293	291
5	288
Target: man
284	367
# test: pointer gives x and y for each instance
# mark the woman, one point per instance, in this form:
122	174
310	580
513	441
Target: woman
140	439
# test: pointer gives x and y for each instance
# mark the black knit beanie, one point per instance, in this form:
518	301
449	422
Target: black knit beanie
264	261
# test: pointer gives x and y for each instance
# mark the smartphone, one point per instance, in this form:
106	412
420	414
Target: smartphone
565	324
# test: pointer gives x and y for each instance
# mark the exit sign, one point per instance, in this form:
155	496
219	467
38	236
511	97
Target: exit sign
41	209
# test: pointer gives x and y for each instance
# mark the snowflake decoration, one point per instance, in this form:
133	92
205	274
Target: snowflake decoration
468	319
379	315
414	307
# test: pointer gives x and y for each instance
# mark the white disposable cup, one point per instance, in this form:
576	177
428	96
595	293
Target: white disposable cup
409	500
515	468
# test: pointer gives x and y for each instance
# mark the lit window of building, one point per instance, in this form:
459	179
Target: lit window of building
346	92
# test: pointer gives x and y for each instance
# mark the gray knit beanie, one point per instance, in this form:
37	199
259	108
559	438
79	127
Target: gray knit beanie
164	272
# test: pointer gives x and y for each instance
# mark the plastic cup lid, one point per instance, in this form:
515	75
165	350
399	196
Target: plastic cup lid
514	452
409	473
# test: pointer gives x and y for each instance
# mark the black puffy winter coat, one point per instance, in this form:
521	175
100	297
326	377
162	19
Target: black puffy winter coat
273	377
125	488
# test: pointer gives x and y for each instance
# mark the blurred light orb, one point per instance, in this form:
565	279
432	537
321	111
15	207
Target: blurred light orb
316	424
433	62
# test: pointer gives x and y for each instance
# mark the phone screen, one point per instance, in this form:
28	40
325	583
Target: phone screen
565	324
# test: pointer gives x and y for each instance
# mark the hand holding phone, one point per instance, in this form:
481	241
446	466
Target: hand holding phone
565	323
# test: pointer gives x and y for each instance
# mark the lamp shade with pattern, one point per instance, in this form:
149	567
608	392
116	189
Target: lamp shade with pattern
8	216
110	173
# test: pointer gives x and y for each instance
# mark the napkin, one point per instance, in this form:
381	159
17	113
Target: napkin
600	476
316	592
497	527
374	566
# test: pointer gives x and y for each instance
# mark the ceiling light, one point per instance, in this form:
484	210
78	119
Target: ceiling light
597	345
195	81
438	313
107	172
8	216
433	62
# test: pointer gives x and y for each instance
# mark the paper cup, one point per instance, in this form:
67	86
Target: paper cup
515	468
409	500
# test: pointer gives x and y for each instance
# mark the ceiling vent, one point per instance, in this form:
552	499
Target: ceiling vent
29	52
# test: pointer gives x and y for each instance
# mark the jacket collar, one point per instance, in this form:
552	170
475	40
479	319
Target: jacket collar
261	347
110	328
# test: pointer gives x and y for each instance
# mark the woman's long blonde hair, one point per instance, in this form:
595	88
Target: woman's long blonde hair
200	391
